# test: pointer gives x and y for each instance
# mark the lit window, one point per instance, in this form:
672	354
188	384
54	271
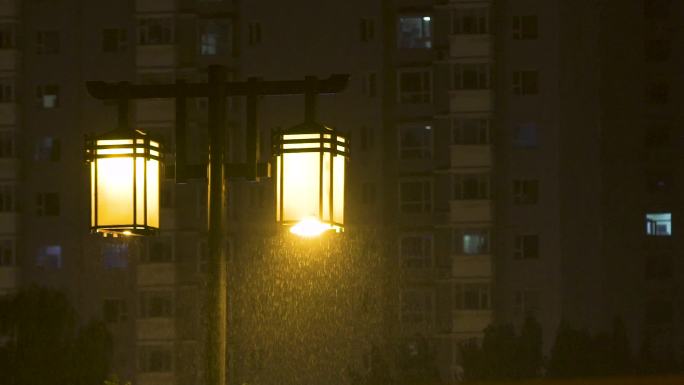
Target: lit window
526	302
47	204
526	246
415	142
156	304
115	255
525	191
415	86
47	42
7	252
470	21
472	241
155	359
47	149
415	196
471	296
416	250
415	32
416	306
525	135
155	31
470	186
525	82
114	310
470	76
215	37
114	40
49	257
48	96
470	131
525	27
659	224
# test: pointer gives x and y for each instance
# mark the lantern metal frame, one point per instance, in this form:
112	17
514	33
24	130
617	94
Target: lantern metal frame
319	139
142	146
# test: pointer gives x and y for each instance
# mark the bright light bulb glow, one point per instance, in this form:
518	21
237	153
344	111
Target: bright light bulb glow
309	228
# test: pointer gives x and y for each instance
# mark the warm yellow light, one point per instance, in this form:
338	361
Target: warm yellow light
127	233
310	227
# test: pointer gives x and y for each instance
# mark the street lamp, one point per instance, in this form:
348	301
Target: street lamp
310	161
124	183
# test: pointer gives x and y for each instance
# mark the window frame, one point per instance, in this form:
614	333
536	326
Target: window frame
424	94
422	206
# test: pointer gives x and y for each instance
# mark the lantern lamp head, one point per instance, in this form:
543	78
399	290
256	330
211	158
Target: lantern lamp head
124	183
310	178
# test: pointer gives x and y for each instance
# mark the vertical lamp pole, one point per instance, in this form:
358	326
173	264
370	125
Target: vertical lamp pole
217	169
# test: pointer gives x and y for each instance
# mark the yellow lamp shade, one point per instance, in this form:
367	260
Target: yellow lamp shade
310	178
124	183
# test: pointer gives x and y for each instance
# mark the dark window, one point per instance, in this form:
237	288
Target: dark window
156	359
470	186
7	144
367	138
7	252
415	142
254	32
526	247
47	204
159	251
155	31
657	50
525	135
470	131
114	40
525	191
415	86
658	136
114	310
415	196
49	257
526	302
470	76
525	27
656	9
7	35
370	87
471	296
47	42
47	149
525	82
367	29
7	90
470	21
115	255
658	93
7	197
416	251
156	304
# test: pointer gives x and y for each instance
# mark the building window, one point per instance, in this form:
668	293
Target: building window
415	196
656	51
7	252
47	149
415	86
471	296
155	359
155	31
48	96
114	40
370	87
656	9
526	246
470	21
658	92
7	201
471	241
368	193
115	255
215	37
659	224
47	204
8	35
254	32
49	257
416	251
525	27
7	144
47	42
525	135
526	302
367	29
367	138
525	191
415	32
470	76
156	304
415	142
114	310
525	82
7	90
159	250
470	131
416	306
470	186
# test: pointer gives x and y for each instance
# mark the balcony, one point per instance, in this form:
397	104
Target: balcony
9	8
155	110
155	329
470	45
155	56
471	156
167	378
156	6
155	274
8	114
10	59
466	321
8	278
471	210
471	266
470	100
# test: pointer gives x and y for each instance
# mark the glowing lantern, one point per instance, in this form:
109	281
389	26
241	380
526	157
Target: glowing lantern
309	178
124	183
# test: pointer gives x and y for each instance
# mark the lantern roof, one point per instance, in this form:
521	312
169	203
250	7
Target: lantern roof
309	128
122	134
